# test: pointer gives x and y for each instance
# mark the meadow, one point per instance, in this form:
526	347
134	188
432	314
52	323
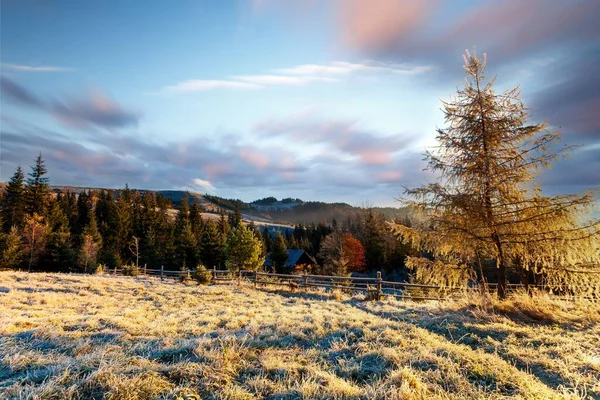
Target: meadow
93	337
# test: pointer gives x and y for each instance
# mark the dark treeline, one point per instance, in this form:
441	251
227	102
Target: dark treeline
42	230
69	232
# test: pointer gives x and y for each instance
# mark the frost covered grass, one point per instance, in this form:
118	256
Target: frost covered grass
85	337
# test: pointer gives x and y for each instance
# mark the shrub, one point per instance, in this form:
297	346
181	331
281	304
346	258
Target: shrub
100	269
373	294
202	275
130	269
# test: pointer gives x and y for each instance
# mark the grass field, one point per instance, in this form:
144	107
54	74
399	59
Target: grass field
86	337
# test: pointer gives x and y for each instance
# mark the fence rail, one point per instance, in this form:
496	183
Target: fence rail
374	288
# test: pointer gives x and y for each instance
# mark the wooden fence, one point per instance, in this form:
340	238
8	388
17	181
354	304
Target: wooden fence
373	288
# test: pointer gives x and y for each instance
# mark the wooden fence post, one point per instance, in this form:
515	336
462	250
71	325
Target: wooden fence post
305	282
255	278
379	286
144	269
162	272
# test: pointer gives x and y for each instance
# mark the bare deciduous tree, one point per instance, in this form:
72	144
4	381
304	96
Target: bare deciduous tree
134	247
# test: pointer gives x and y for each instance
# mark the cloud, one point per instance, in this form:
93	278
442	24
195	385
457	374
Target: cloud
28	68
282	80
254	157
207	162
299	75
346	68
344	137
376	25
571	100
196	85
18	93
93	108
435	30
203	184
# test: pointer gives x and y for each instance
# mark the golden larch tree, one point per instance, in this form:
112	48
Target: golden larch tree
486	204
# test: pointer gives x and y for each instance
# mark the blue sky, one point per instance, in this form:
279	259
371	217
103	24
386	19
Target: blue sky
332	100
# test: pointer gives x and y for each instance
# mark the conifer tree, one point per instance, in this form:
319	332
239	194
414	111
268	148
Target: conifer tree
38	189
91	244
373	232
279	255
235	218
123	222
267	240
59	255
183	217
212	246
243	250
13	252
35	233
196	219
13	203
486	204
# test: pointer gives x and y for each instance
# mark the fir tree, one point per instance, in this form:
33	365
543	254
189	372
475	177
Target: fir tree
91	244
279	255
38	189
13	203
243	250
196	219
35	233
267	240
13	252
59	255
212	246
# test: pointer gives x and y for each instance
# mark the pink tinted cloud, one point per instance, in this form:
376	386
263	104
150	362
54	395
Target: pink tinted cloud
513	27
389	176
375	24
218	169
254	157
375	157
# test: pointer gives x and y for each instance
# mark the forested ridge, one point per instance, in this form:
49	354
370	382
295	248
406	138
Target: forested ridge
96	229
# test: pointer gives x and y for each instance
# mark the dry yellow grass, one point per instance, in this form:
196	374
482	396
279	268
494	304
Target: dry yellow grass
86	337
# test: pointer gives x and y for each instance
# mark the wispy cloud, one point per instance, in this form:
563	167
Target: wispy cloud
298	75
195	85
93	108
203	184
29	68
282	79
337	68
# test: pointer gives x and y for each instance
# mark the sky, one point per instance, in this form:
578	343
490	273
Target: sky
330	100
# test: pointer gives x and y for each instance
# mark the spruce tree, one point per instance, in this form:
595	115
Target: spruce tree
35	234
13	203
211	246
59	255
91	244
13	252
196	219
243	250
279	255
38	189
267	240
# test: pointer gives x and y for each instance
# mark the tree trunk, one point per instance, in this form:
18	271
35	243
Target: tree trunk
501	265
501	279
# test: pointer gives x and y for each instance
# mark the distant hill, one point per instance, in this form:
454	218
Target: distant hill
264	211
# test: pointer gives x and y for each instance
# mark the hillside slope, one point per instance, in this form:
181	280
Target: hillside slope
287	211
70	336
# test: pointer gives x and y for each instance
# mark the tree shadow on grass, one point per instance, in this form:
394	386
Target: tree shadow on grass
467	333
